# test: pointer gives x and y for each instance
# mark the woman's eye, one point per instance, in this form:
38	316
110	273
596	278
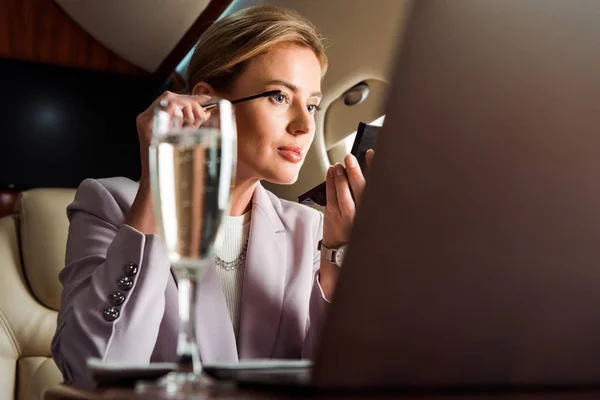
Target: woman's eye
313	108
279	98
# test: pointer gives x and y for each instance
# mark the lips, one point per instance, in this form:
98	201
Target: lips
292	153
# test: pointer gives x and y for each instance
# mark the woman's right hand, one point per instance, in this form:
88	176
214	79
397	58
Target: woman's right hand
140	215
179	105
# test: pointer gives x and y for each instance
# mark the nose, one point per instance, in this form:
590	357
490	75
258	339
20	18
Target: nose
302	121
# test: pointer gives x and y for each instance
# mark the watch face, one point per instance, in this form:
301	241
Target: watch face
339	256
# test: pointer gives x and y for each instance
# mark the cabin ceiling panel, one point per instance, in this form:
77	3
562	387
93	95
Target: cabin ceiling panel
142	32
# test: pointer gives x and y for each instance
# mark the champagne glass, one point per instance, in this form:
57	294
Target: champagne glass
192	171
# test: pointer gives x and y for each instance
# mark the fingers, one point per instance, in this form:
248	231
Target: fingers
186	107
345	187
201	99
331	195
172	108
355	176
198	100
188	113
369	156
342	189
198	111
190	106
199	114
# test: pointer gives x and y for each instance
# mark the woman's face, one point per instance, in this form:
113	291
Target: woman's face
274	133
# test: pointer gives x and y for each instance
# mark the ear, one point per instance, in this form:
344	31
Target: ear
203	89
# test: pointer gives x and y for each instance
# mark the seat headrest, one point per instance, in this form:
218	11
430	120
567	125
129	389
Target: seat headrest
43	235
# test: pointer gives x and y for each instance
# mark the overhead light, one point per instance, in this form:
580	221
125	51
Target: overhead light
356	94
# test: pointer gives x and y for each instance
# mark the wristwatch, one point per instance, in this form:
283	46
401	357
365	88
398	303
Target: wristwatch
335	255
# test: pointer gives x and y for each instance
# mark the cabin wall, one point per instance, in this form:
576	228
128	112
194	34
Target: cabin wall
60	125
40	31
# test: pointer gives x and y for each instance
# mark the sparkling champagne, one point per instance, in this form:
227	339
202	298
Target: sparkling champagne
192	192
192	168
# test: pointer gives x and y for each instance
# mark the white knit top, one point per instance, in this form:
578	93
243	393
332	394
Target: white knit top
235	231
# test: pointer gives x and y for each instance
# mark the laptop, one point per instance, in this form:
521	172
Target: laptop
475	256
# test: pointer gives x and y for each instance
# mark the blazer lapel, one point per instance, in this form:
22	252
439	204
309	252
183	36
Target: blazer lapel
216	340
264	280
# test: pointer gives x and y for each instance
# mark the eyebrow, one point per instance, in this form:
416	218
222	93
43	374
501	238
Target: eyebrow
292	87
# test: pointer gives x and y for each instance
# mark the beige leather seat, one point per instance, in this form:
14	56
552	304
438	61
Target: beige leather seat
32	253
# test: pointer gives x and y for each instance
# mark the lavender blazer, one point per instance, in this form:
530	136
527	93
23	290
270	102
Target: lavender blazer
282	307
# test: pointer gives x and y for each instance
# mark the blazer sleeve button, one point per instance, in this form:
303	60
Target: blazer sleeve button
125	283
130	269
110	314
116	299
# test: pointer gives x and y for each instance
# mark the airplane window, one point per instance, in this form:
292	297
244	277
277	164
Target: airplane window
183	64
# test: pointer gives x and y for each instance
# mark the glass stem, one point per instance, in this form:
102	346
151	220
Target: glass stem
187	347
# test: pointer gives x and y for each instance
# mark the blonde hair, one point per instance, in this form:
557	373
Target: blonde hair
226	46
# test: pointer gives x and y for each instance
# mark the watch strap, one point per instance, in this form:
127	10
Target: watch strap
327	253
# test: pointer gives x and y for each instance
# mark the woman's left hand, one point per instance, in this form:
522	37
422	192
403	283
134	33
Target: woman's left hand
342	184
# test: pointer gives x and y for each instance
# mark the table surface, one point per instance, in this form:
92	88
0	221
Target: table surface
227	391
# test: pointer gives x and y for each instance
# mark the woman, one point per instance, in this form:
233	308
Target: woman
119	299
